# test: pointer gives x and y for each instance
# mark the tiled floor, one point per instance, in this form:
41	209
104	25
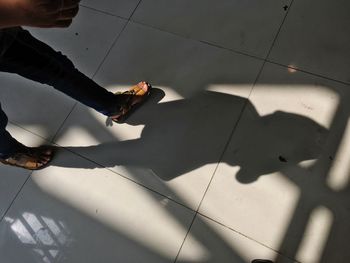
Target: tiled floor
241	153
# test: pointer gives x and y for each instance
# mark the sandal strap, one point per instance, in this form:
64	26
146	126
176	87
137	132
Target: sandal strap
19	161
128	102
25	158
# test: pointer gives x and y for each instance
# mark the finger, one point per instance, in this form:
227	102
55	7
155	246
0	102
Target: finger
68	14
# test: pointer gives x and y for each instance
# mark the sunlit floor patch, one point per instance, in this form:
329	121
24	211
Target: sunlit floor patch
315	235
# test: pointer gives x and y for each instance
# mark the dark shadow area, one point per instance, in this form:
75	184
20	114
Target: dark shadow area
262	145
183	135
265	144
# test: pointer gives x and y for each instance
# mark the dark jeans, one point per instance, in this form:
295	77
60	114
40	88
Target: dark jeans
37	61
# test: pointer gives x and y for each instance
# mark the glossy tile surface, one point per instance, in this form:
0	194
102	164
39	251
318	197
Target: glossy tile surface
115	7
12	178
87	41
167	144
90	215
245	26
23	102
40	108
211	242
315	37
259	150
276	182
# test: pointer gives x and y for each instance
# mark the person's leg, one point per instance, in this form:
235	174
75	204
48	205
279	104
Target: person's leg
8	144
37	61
14	153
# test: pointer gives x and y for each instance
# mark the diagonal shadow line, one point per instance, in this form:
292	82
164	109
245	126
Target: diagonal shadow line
287	175
112	146
321	168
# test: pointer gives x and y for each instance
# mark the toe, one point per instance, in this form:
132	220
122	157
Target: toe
144	86
39	164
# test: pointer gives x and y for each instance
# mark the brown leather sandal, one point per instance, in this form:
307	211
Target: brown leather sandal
31	158
134	97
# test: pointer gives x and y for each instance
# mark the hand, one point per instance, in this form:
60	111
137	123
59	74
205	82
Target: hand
41	13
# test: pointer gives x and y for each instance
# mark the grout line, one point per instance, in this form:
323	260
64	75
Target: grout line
198	40
125	177
279	29
63	122
15	198
243	53
111	14
225	48
115	41
226	146
245	105
109	169
172	33
23	128
110	49
250	238
232	133
134	9
308	72
219	161
235	126
153	191
231	136
103	12
229	49
100	65
188	232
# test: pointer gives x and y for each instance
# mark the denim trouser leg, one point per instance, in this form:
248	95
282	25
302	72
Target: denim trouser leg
37	61
8	144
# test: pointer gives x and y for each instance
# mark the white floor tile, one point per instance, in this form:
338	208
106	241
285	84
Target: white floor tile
210	242
87	41
90	215
12	178
115	7
282	185
172	62
315	37
273	183
172	146
40	108
246	26
33	106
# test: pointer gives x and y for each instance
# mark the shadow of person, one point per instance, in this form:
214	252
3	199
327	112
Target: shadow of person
267	144
183	135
